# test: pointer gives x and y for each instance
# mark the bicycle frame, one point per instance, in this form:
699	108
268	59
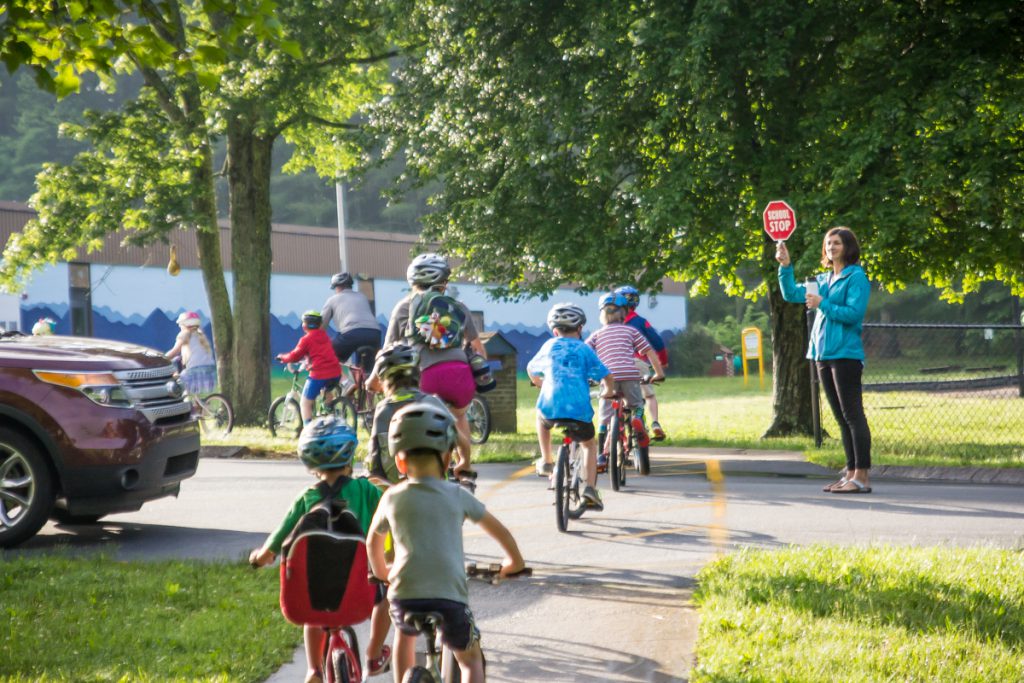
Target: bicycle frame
341	656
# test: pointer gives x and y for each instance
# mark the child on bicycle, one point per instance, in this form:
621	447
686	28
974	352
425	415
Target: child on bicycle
563	369
398	374
324	368
199	369
616	344
326	447
633	319
425	514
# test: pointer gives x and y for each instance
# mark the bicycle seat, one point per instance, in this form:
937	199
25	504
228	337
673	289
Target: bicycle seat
420	620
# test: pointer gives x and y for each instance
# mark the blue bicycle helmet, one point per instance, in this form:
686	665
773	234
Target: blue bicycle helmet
631	293
327	443
612	299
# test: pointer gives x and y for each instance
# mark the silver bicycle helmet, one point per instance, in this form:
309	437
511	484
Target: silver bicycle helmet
342	280
421	425
566	315
326	443
395	359
427	270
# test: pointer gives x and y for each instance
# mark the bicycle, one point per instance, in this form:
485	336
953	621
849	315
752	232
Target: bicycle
215	414
479	415
340	661
440	665
364	400
569	502
627	439
285	414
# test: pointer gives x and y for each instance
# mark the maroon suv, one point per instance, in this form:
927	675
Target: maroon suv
88	427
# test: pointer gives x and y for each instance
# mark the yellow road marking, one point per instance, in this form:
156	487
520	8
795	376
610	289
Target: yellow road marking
518	474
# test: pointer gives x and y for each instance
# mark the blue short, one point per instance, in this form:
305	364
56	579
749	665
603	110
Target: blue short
459	631
315	386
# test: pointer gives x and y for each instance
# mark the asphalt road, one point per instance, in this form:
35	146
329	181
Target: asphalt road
609	601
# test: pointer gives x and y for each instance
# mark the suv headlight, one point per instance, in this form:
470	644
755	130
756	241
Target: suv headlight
100	387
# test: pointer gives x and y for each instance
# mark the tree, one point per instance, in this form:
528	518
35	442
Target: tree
244	81
598	143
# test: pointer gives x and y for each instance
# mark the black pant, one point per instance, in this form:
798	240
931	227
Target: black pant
345	344
841	379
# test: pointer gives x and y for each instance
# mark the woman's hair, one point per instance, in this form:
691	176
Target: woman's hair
851	248
612	315
203	341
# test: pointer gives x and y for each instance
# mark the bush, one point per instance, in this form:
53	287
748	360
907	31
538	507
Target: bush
691	353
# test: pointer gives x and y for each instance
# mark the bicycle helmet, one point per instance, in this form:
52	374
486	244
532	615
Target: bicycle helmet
44	326
189	319
566	315
631	293
312	319
342	280
396	359
327	443
616	300
427	270
421	425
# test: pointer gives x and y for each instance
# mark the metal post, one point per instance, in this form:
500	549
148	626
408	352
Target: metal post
815	404
1020	346
339	191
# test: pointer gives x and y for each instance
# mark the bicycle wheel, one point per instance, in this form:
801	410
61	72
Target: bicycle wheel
419	674
216	417
479	415
615	452
284	417
642	457
343	409
577	506
563	479
369	407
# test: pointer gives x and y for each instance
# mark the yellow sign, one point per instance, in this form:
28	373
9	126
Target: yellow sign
752	350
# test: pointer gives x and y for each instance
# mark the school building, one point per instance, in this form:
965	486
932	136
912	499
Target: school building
126	293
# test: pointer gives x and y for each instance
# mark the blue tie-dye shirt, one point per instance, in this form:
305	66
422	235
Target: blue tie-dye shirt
567	365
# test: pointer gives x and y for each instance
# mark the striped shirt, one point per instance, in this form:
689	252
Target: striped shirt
615	345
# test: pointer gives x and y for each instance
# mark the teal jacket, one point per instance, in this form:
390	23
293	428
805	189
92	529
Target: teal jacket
840	317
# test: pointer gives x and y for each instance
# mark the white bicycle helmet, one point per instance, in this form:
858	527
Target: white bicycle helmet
427	270
566	315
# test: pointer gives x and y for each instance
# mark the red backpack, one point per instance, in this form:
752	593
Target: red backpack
324	568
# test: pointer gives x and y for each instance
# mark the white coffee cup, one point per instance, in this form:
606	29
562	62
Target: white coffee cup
812	287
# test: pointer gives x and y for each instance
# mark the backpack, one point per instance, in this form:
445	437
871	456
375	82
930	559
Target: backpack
436	320
324	566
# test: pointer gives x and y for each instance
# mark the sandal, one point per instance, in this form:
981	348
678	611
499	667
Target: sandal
828	488
857	487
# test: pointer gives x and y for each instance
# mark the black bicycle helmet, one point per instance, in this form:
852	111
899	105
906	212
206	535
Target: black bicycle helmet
566	316
312	319
342	280
427	270
421	425
396	359
326	443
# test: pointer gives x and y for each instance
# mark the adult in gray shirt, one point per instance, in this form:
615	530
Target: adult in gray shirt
353	319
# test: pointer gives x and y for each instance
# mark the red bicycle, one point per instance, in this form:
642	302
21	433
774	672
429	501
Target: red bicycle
628	441
341	656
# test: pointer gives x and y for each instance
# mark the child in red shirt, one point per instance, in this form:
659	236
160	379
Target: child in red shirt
324	368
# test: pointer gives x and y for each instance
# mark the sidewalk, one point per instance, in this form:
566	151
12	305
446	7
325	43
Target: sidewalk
793	464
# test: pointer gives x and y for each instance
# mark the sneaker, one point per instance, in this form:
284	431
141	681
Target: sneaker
593	498
379	665
657	431
643	440
544	469
602	463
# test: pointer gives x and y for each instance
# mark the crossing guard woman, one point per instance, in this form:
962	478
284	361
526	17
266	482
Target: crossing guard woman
835	346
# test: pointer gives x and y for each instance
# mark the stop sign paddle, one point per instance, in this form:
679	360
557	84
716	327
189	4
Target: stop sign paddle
779	220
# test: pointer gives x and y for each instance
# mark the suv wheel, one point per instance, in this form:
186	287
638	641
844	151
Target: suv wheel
26	489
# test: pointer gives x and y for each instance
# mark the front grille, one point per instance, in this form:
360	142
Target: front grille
155	392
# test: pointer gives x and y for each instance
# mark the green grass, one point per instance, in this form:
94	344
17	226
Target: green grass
908	428
828	613
95	619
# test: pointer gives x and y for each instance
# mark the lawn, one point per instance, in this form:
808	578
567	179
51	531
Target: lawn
95	619
830	613
908	428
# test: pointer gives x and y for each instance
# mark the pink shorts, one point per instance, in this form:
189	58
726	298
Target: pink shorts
452	382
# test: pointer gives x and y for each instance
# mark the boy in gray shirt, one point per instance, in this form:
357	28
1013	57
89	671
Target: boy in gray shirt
425	514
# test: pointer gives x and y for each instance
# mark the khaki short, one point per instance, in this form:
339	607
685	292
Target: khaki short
645	369
633	396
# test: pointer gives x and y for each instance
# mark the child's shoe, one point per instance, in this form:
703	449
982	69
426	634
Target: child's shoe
657	431
379	665
544	469
602	463
643	440
593	498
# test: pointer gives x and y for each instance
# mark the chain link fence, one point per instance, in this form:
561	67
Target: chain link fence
944	390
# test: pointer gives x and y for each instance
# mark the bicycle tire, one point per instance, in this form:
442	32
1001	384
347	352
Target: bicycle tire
642	456
369	408
336	665
216	416
478	413
562	484
614	448
577	505
419	674
626	441
343	409
450	671
284	417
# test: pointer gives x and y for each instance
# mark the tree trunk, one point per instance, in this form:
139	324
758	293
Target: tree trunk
249	201
791	388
